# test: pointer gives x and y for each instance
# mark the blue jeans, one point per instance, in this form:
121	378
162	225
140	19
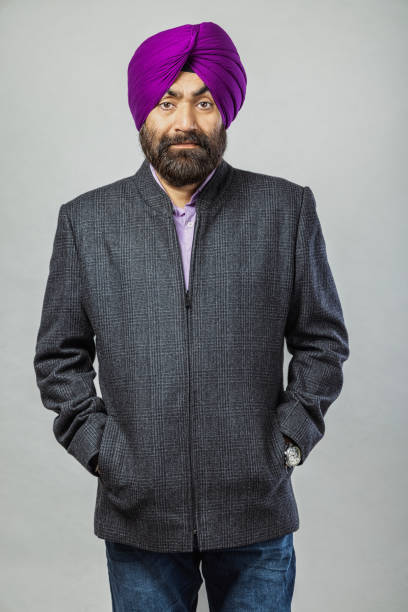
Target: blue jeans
258	577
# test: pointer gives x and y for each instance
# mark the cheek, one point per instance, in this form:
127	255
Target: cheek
156	127
156	121
217	118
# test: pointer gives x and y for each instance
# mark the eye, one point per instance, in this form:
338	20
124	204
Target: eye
206	102
209	104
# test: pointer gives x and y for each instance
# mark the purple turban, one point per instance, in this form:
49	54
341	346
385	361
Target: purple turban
206	49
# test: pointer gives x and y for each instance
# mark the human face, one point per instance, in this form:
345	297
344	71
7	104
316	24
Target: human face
186	113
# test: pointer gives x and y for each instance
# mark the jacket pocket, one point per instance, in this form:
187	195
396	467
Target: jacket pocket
103	465
117	472
279	446
113	459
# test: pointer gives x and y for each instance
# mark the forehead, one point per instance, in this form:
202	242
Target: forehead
188	84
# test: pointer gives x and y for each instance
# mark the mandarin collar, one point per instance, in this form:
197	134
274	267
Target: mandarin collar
206	199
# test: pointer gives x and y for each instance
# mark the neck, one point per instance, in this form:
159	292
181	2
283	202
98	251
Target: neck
180	196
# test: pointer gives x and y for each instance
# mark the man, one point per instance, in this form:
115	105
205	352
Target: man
191	274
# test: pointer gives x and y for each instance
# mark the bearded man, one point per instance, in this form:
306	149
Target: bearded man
186	278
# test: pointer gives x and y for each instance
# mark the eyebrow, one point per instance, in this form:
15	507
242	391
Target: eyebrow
176	94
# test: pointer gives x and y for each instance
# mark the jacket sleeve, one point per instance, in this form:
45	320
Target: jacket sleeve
65	352
316	336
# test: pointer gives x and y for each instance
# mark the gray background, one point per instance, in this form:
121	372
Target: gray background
326	107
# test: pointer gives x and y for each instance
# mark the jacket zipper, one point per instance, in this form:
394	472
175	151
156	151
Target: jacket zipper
188	306
188	302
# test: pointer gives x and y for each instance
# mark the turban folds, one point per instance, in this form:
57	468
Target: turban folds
206	49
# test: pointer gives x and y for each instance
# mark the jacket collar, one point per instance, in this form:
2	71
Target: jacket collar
154	196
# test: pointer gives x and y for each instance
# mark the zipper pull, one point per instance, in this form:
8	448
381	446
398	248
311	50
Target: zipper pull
188	299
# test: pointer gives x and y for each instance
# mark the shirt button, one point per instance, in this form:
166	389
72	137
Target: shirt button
190	223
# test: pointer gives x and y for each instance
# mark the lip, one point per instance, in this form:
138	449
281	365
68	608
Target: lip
185	145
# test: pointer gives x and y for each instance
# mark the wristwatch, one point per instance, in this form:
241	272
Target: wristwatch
293	455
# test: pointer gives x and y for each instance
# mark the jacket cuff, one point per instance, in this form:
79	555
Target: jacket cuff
87	440
296	423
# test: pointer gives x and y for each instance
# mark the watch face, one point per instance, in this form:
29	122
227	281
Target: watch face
292	455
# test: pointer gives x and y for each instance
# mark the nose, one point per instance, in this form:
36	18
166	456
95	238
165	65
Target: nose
185	119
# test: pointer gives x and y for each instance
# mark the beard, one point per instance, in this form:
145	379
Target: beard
184	166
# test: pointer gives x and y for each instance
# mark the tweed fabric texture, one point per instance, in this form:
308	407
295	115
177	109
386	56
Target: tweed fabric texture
188	431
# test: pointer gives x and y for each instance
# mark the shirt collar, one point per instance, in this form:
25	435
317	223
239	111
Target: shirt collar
209	200
177	209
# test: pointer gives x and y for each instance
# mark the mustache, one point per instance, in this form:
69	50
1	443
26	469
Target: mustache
186	140
165	146
201	141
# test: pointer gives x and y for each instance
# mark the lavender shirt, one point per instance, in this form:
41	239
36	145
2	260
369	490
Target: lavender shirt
184	218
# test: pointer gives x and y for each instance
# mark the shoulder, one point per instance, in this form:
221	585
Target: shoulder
269	192
88	203
262	182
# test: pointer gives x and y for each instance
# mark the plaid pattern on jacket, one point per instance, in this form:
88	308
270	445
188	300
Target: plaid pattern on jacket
188	431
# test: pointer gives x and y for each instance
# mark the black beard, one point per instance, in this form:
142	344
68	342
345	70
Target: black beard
184	166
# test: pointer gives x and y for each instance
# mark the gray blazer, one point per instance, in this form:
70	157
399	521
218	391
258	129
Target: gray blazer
189	430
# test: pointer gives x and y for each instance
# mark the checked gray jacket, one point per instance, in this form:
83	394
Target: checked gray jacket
188	431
